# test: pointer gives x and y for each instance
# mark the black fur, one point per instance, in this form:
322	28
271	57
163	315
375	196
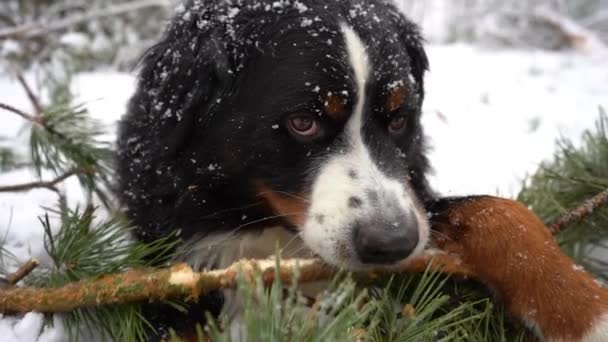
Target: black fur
207	120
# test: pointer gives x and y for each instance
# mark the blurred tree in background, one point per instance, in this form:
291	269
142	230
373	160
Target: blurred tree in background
114	33
82	34
546	24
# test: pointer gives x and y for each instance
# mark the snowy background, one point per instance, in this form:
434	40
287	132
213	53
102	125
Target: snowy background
492	113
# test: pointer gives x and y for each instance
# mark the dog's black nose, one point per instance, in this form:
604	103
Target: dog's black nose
381	241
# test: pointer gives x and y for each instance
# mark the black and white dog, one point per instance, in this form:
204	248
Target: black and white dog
289	121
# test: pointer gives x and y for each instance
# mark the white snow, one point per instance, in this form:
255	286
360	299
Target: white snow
492	116
75	40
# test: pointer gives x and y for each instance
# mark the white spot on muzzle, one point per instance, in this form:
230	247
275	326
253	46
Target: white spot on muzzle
331	237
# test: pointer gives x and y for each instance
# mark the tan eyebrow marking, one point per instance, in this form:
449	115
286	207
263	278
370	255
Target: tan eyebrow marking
335	106
396	98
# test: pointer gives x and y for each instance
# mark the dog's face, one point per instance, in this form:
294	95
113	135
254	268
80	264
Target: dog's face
318	117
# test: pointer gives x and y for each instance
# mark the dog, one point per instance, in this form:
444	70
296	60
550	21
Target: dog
293	123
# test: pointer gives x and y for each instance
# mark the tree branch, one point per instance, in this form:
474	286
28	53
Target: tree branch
22	271
34	100
579	213
30	94
37	29
180	281
19	112
50	185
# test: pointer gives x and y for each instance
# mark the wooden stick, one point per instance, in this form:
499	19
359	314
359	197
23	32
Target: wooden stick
579	213
22	271
180	281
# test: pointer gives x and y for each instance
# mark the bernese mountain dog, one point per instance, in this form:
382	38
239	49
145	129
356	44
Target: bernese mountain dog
289	122
296	123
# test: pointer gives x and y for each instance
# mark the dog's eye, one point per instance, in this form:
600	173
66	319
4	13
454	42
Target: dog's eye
303	125
397	125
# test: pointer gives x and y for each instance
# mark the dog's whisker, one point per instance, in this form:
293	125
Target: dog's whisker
294	238
229	210
229	235
284	193
263	219
296	251
439	235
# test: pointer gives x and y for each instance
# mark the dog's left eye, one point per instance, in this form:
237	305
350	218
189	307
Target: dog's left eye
397	125
303	125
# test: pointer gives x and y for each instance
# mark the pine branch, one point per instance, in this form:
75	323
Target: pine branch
572	180
180	281
34	100
30	94
579	213
8	159
63	139
21	113
50	185
22	271
37	29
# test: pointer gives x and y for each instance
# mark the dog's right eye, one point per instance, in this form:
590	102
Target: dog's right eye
303	125
397	125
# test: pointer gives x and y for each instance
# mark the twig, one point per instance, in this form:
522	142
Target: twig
30	94
33	30
7	20
22	271
180	281
19	112
51	185
582	211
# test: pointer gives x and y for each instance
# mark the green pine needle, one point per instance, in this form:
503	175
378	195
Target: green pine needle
346	312
8	159
84	247
267	316
573	176
70	140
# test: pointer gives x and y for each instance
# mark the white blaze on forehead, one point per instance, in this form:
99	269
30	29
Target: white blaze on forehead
359	61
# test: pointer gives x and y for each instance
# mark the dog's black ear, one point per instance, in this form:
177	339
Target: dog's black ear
179	83
413	40
419	63
181	77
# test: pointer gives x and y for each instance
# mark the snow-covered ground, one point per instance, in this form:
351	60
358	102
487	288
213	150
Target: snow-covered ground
492	117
